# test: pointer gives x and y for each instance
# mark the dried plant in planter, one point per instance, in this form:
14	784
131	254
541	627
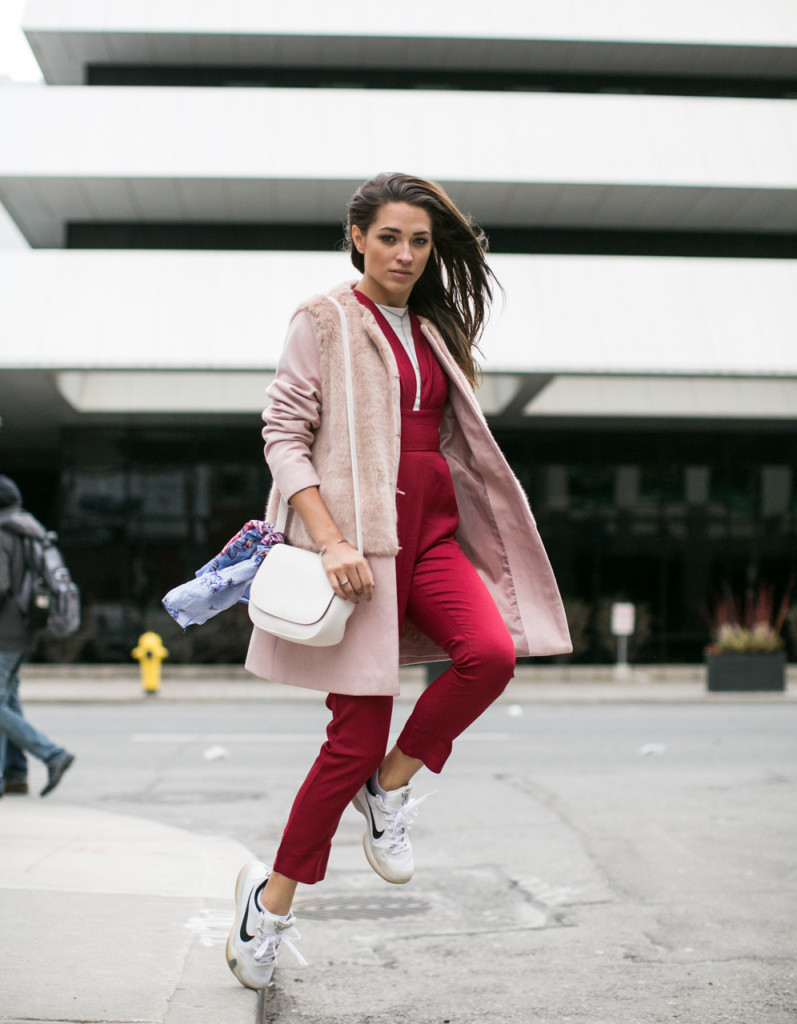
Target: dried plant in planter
751	626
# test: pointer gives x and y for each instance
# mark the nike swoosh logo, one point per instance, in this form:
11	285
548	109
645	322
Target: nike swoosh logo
370	788
376	833
244	932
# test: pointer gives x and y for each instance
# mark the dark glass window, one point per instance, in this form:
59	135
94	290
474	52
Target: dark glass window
458	79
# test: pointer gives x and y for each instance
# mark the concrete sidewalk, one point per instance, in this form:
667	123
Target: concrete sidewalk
78	890
83	886
532	683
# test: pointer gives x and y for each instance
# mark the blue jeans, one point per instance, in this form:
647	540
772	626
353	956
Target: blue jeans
16	734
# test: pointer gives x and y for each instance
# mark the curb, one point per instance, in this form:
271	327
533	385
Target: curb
532	684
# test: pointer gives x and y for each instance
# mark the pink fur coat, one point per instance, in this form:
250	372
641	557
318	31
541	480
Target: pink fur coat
306	444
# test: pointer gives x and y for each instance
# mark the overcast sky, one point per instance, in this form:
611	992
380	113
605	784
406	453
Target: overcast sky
16	59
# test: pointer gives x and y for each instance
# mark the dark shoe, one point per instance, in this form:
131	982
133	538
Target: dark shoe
55	769
17	786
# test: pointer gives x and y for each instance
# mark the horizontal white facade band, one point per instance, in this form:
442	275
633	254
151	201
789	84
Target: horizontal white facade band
173	392
472	137
81	310
682	36
181	392
178	392
769	21
241	155
10	235
668	398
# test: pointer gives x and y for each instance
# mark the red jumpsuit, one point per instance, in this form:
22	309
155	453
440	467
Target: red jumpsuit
442	594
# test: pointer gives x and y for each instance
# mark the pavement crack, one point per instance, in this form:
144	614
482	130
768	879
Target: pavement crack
557	807
551	917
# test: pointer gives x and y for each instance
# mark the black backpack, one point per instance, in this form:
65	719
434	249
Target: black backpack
49	597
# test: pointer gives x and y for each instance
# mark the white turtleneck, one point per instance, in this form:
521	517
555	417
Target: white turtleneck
399	320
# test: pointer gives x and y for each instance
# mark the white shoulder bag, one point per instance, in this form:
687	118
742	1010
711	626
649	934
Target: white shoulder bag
291	596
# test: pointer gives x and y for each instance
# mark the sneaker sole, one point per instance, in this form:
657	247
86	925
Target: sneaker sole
377	868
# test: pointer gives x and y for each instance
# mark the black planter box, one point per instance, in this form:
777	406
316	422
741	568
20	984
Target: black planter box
736	672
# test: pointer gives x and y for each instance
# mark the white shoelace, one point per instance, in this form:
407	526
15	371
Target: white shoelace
399	821
269	941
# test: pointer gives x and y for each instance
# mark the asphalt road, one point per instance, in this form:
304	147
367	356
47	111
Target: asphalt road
602	863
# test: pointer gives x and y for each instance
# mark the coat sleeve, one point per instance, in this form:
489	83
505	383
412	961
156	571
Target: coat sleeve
294	414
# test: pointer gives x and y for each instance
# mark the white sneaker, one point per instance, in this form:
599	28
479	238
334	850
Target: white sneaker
385	840
255	937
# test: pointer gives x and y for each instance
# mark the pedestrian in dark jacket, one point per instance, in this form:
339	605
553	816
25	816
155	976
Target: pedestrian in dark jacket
17	735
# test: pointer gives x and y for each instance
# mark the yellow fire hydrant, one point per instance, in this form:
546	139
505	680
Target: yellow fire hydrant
149	654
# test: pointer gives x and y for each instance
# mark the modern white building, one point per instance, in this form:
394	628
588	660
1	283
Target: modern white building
177	185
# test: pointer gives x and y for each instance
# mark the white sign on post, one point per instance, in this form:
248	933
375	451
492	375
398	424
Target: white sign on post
623	616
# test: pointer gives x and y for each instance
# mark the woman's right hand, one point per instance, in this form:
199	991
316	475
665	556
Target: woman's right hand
348	572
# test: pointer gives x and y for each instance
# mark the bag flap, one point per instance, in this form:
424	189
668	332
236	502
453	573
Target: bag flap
292	584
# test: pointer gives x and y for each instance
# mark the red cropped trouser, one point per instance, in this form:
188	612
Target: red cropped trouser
442	594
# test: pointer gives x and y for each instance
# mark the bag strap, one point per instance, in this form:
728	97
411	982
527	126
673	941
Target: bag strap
282	515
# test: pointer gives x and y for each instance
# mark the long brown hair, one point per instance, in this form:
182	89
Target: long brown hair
455	289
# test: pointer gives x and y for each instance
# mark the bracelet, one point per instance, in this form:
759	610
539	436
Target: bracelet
322	552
